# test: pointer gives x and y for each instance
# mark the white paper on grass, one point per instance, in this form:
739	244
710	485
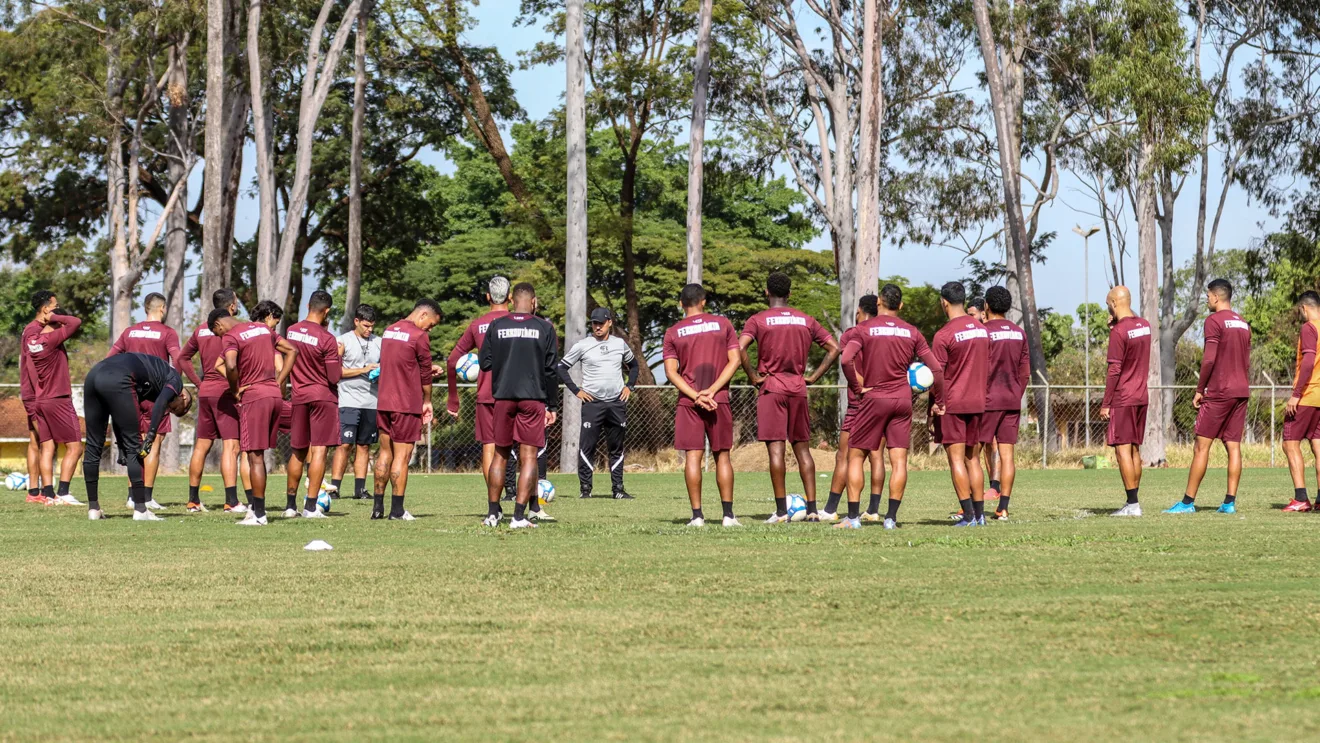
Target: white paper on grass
318	545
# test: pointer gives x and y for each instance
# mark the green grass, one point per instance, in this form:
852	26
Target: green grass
619	623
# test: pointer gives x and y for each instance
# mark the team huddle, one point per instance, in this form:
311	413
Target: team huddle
358	389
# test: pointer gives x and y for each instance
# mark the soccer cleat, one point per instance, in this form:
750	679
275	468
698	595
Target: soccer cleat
41	500
1229	508
521	524
967	522
146	516
492	519
67	500
585	494
731	521
331	490
152	505
622	495
1297	506
317	514
1001	515
1181	507
405	516
95	514
848	523
813	517
508	498
290	513
980	521
362	496
236	508
1129	509
196	508
129	504
698	521
992	494
541	516
251	520
776	518
828	516
891	524
377	515
869	517
956	515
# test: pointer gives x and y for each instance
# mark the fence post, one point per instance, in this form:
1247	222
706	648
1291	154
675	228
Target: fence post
1088	416
1045	426
1272	414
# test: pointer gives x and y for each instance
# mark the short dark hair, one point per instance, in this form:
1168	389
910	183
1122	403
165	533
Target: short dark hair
217	314
977	303
1310	299
692	295
152	301
430	305
523	289
869	304
953	293
998	299
779	285
267	308
1221	287
320	300
366	313
892	296
222	298
41	298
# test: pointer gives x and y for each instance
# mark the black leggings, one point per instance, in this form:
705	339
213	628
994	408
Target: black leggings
109	398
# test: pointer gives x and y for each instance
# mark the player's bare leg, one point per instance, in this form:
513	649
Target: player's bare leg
339	462
877	459
962	490
384	461
692	478
1129	469
488	456
526	485
494	475
856	473
976	481
839	478
807	471
1292	451
1234	450
46	465
724	480
294	472
34	466
197	466
778	469
361	463
1196	473
898	475
256	462
1004	477
400	457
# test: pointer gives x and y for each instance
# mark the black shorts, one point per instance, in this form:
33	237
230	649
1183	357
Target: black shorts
358	426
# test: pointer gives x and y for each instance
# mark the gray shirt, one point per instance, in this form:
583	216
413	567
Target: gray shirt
602	365
358	392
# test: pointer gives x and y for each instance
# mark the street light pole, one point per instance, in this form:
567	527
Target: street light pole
1086	318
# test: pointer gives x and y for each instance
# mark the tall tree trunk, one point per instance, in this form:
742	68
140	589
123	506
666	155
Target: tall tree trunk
117	187
867	277
627	207
262	134
213	247
696	143
353	288
575	248
1153	451
176	234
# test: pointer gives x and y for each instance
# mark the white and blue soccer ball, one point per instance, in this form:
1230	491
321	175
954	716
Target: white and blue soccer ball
468	367
545	491
797	507
16	481
920	377
323	501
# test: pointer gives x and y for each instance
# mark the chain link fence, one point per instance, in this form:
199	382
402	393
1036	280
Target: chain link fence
1060	428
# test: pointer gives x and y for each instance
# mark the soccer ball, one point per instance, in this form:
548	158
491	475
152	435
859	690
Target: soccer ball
323	501
797	507
16	480
920	377
468	368
545	491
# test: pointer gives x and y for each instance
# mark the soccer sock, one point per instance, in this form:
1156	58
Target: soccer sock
334	484
139	499
291	500
811	506
728	508
37	491
247	495
93	496
1229	498
1132	495
892	513
874	505
966	506
359	486
1187	499
396	505
192	494
48	491
1003	503
781	506
64	488
1298	494
492	508
978	508
309	504
258	507
852	510
147	491
994	485
534	503
519	511
378	503
696	514
832	503
231	496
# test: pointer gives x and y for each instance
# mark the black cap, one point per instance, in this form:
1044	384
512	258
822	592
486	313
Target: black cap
600	314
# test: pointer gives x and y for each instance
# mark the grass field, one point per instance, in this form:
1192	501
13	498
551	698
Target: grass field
619	623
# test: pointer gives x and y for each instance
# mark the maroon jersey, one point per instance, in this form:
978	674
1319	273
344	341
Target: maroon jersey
471	340
1227	356
27	388
316	368
255	344
783	338
149	338
847	337
45	363
1129	363
962	351
211	347
405	366
701	345
886	345
1010	366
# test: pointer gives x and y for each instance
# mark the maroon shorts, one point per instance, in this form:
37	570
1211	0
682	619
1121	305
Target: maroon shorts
1304	425
1127	425
402	428
56	420
217	418
887	419
1222	419
286	416
782	418
1000	426
957	428
144	418
849	418
259	421
694	425
486	422
314	423
519	422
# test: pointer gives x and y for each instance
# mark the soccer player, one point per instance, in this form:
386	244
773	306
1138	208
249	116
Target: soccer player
217	411
1126	396
48	398
1302	417
962	350
112	393
1221	395
359	350
604	395
403	403
976	308
153	337
520	353
314	426
701	354
783	338
249	354
866	309
877	357
497	294
1010	370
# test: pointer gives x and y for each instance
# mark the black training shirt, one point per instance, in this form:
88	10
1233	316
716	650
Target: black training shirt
153	379
520	352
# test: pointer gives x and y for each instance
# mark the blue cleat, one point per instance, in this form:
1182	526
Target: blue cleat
891	524
966	522
1229	508
847	523
1181	507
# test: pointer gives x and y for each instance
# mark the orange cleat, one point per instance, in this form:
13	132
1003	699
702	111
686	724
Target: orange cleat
39	499
1296	506
1001	515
